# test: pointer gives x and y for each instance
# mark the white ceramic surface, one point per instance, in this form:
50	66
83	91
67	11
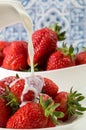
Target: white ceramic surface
65	79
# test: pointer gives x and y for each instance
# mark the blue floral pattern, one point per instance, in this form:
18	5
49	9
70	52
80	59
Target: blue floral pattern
71	14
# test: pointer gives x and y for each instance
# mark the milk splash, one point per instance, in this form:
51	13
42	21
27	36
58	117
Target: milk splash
34	83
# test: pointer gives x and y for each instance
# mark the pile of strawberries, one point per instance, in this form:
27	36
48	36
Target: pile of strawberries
46	109
47	54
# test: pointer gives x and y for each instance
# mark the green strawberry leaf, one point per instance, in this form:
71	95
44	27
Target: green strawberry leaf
73	103
49	108
12	100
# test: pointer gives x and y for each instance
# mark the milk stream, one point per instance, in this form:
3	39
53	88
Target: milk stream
30	45
34	83
11	12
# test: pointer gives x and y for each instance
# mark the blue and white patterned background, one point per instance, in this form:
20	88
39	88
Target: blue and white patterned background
71	14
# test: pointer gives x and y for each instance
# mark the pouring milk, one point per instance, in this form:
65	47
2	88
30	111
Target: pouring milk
13	12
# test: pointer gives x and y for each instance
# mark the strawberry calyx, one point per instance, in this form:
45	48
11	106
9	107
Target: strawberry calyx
68	51
73	105
57	28
36	68
11	99
49	109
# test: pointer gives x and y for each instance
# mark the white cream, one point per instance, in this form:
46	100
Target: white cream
34	83
14	82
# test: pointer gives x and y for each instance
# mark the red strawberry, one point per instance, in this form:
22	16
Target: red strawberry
27	117
27	88
5	113
46	97
80	58
29	96
69	103
17	47
33	115
50	87
16	56
50	123
15	62
44	42
17	88
6	94
61	98
6	49
62	58
6	82
58	60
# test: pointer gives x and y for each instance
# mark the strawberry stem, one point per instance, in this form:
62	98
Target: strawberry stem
73	105
12	100
61	35
49	109
68	51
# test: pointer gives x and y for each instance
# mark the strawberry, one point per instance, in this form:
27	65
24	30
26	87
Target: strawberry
5	112
6	94
44	43
69	103
80	58
27	89
33	115
62	58
6	49
6	82
61	98
17	47
16	56
50	87
50	123
17	88
58	60
47	98
15	62
5	108
27	117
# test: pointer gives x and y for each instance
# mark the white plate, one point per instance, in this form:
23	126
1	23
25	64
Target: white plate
65	78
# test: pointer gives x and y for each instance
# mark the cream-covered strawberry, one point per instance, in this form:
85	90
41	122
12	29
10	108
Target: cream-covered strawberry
27	89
